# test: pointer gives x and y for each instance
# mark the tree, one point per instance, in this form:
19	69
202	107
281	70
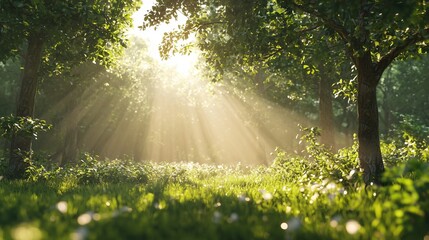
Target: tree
373	34
58	34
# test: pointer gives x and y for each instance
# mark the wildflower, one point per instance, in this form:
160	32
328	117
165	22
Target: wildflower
331	186
243	198
350	176
85	218
335	221
266	195
352	226
61	206
343	191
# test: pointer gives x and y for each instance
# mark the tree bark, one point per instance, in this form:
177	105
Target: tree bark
21	145
326	114
368	129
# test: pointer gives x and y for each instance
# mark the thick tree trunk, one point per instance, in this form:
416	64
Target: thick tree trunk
368	130
326	114
21	145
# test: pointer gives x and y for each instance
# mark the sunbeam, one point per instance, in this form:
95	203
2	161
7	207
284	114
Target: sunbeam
166	110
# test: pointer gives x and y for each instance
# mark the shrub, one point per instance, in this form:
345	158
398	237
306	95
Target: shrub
317	163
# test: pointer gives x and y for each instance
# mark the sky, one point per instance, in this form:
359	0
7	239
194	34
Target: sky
153	37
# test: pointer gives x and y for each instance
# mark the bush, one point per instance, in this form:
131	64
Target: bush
317	163
12	125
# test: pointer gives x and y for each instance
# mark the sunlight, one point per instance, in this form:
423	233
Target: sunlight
192	124
153	36
169	112
183	64
176	115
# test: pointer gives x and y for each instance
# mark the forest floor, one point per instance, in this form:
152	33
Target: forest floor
126	200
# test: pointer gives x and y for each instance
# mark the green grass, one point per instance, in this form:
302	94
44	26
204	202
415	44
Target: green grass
318	195
124	200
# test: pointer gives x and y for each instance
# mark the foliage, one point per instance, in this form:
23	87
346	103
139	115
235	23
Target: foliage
73	31
89	171
413	130
317	163
408	201
346	89
401	92
410	142
12	125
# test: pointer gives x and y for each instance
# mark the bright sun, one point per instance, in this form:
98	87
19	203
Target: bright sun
184	64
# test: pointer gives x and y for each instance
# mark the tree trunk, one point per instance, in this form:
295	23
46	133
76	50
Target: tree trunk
20	144
326	115
368	130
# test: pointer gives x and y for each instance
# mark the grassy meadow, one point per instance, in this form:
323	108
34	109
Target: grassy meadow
314	195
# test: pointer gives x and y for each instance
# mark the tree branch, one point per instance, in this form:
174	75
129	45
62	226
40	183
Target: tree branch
341	30
346	36
392	54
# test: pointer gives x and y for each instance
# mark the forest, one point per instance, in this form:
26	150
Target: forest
214	119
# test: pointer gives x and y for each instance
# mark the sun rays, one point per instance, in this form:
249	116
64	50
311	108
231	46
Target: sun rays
165	110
